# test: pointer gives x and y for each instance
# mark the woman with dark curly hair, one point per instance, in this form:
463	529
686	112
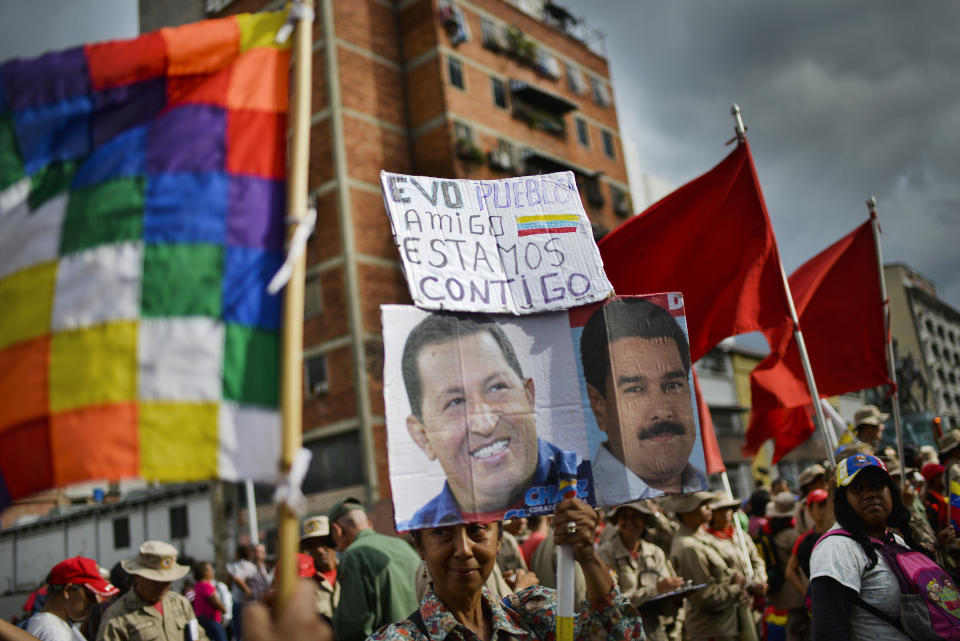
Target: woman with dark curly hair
847	574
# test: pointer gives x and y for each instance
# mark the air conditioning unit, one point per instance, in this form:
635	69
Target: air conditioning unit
500	159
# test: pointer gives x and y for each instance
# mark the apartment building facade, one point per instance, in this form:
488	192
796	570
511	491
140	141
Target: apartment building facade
480	89
927	333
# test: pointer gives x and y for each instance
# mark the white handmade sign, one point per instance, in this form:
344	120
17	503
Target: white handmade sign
519	245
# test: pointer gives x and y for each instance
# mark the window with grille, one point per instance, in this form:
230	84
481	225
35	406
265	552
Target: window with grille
455	69
499	89
121	533
337	461
313	298
583	134
608	147
315	375
179	524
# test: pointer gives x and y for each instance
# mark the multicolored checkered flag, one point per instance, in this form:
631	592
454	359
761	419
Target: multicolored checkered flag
141	216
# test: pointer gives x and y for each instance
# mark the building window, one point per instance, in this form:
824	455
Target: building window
501	158
591	185
493	37
462	131
929	326
179	524
727	421
714	362
121	533
337	462
601	95
621	202
935	350
574	79
315	375
583	135
455	69
608	145
499	89
312	297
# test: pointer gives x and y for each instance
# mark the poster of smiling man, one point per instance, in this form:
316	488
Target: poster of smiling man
484	416
489	416
643	424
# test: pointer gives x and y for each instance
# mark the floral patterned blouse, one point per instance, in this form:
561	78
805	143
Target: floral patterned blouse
526	616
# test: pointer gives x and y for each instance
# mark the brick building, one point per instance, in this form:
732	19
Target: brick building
479	89
927	333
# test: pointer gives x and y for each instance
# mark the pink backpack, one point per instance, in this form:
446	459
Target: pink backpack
929	599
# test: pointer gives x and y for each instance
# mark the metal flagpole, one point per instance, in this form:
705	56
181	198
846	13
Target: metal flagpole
252	513
748	630
891	365
797	334
291	384
741	537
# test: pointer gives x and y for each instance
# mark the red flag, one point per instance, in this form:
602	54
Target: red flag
711	449
711	240
841	312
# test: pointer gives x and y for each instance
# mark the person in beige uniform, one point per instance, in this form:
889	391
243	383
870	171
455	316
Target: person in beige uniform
642	569
740	554
150	610
711	611
315	540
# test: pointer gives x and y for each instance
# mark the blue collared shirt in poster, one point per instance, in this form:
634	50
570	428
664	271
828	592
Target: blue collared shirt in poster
540	497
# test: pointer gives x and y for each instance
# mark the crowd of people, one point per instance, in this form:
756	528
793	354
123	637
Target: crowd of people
827	561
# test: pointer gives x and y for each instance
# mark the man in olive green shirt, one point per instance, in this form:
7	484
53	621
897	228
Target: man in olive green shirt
150	611
376	574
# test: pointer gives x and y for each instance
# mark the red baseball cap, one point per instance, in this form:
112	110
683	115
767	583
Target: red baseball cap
305	567
817	496
82	571
931	470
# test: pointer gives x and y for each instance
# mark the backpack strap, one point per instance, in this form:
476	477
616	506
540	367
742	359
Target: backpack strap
417	619
880	614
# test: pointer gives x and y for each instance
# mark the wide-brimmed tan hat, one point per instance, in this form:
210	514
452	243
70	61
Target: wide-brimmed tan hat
948	442
722	502
643	507
782	505
156	561
683	503
869	415
810	474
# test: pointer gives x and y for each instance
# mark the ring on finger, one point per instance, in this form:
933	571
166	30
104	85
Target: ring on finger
571	527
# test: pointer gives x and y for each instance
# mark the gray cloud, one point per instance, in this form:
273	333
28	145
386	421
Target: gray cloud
842	101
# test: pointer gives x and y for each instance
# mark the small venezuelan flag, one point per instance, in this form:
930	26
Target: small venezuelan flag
547	224
955	504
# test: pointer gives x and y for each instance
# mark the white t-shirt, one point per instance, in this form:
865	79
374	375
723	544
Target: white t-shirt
842	559
241	569
47	626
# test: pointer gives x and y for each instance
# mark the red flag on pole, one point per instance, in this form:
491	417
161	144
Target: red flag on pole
711	449
711	240
840	307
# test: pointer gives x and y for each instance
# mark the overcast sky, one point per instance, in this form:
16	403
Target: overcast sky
841	100
31	27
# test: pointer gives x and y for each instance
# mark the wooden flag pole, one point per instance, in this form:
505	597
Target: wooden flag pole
797	334
291	381
891	365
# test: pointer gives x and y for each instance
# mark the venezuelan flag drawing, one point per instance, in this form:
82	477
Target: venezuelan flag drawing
547	224
955	504
141	216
